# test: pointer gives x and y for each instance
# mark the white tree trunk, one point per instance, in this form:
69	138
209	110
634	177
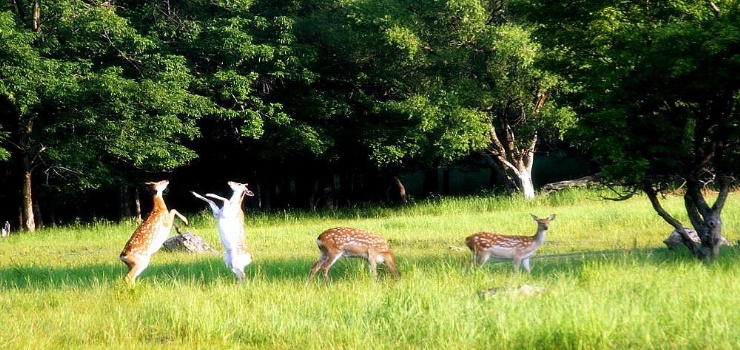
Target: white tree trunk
514	161
527	186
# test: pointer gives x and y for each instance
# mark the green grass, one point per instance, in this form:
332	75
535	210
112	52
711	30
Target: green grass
608	280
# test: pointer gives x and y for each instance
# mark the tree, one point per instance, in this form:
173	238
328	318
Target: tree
89	97
488	63
247	61
659	98
442	80
519	93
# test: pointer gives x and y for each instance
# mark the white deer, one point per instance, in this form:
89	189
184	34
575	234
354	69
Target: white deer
230	219
351	242
6	229
149	236
485	245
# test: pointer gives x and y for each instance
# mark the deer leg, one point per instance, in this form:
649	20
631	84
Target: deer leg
391	263
372	260
517	263
238	262
482	257
231	262
227	260
136	266
217	197
174	213
525	263
471	264
317	264
326	265
239	274
214	208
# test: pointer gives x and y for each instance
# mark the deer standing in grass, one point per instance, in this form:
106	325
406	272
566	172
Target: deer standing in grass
149	236
6	229
485	245
230	218
351	242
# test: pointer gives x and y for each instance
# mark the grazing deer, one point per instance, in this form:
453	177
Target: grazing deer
149	236
351	242
485	245
6	229
230	218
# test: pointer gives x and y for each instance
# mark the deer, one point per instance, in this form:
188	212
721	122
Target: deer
6	229
150	235
520	249
351	242
230	220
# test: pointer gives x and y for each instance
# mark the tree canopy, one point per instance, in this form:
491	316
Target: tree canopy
657	98
321	98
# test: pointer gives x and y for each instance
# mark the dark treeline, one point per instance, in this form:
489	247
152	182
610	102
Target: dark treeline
314	103
324	103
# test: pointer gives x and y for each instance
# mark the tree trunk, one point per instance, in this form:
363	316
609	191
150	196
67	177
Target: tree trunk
125	202
446	180
38	218
652	194
526	184
706	220
430	186
36	13
25	127
137	203
26	198
516	163
518	172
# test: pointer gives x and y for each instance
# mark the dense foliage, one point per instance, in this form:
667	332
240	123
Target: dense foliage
658	96
325	102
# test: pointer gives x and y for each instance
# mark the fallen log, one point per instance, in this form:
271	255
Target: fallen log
585	181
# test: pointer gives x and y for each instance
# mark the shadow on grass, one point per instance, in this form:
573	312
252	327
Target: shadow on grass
203	271
211	269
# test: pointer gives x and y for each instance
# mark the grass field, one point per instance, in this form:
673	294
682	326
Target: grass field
608	282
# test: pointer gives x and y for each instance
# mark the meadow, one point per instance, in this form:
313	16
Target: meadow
607	282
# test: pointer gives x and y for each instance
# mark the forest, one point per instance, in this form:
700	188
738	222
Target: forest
326	103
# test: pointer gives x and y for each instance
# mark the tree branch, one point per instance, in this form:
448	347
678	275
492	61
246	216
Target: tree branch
499	151
693	191
724	191
714	7
652	194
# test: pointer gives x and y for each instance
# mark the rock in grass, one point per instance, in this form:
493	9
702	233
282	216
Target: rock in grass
526	290
674	239
187	242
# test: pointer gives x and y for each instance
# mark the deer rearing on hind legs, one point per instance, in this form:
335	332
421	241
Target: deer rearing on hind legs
485	245
149	236
351	242
230	219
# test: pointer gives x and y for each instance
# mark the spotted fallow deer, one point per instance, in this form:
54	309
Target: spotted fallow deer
485	245
351	242
230	219
149	236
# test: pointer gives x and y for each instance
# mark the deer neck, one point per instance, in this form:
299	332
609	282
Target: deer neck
159	203
539	237
236	198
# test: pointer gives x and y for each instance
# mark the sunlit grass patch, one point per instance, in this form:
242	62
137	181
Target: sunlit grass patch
606	280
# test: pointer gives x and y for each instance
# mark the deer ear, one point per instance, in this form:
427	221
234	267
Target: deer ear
551	218
534	217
